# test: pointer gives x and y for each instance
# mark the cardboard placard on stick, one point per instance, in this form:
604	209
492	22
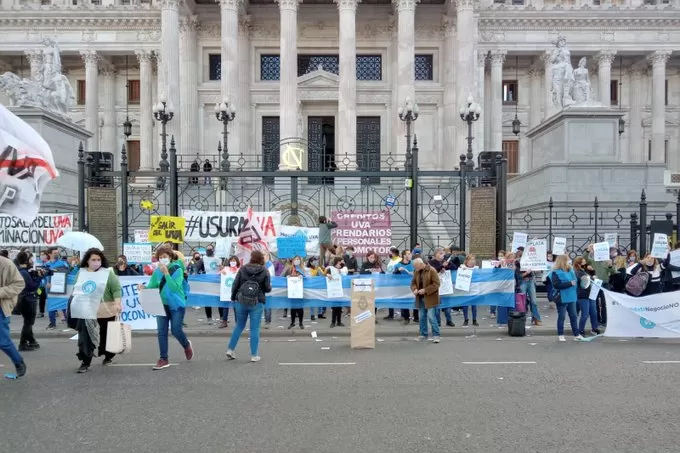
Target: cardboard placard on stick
362	327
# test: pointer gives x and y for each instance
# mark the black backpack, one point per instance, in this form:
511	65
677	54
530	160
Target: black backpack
249	292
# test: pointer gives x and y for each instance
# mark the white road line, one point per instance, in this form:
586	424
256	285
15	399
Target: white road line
316	363
660	362
499	363
138	364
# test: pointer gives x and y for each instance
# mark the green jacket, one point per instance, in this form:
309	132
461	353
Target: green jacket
174	284
325	232
113	290
602	270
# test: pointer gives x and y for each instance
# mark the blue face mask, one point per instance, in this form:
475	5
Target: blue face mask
417	251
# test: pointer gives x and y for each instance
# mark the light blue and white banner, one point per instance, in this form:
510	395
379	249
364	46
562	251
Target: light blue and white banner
655	316
489	287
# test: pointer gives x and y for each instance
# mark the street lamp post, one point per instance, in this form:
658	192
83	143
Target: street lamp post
225	113
408	114
163	113
470	113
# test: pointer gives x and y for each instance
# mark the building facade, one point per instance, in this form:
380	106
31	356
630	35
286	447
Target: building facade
336	73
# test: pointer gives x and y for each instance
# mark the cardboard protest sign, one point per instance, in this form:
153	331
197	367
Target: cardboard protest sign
291	246
362	327
166	229
138	253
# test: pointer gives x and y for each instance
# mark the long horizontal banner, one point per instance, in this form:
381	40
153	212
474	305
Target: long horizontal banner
655	316
489	287
42	232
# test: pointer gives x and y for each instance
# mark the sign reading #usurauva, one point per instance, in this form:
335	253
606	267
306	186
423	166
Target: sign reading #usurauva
44	231
207	226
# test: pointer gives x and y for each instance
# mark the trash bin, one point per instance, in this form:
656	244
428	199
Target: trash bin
517	324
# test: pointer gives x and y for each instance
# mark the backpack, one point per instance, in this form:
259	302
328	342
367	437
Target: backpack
550	290
249	292
637	284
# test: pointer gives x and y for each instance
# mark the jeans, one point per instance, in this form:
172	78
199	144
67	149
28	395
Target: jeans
268	315
243	312
175	318
425	315
465	312
390	313
492	310
53	316
528	287
438	314
225	313
27	308
588	308
6	344
561	310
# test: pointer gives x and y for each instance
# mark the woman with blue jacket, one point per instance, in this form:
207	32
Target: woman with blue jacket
169	279
563	278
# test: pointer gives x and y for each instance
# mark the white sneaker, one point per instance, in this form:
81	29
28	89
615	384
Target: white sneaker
561	338
230	354
421	338
579	338
255	358
435	340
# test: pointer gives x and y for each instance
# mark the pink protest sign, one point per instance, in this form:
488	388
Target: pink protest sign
364	230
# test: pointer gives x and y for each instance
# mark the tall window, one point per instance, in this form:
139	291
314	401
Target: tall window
614	92
80	96
270	145
665	151
369	67
665	92
511	152
133	92
133	151
215	66
424	67
510	88
270	67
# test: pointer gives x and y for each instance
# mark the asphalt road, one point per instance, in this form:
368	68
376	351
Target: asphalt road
403	396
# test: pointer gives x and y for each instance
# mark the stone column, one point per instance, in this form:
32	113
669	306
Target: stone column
170	66
189	86
230	71
636	146
496	114
535	97
288	96
145	110
91	60
604	76
406	42
347	99
452	120
244	120
658	60
480	82
548	108
35	58
109	136
465	62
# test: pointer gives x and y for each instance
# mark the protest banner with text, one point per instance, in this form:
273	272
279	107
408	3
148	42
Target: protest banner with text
208	226
42	232
364	230
166	229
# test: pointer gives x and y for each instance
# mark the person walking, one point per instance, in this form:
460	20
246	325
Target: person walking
588	306
11	285
28	300
42	291
96	301
325	240
564	279
169	280
251	284
425	288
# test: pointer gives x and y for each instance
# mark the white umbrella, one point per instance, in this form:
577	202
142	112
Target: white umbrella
79	241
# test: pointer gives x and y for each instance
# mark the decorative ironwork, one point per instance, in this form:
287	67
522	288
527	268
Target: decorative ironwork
310	63
215	70
270	145
315	147
368	145
270	67
369	67
424	67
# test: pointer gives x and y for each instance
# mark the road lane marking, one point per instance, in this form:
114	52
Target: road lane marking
316	363
499	363
660	362
138	364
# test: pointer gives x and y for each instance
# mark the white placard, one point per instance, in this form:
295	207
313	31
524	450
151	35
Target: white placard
138	253
675	261
612	239
654	316
226	282
464	279
211	265
362	285
223	247
535	256
601	251
660	246
445	283
295	288
141	236
519	240
334	285
595	288
88	292
490	264
150	300
58	283
559	246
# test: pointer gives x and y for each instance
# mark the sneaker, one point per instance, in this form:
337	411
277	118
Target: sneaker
332	325
596	332
266	325
291	326
21	368
107	361
189	352
161	364
421	338
436	340
579	338
302	326
230	354
321	316
450	324
209	320
313	318
83	368
223	325
537	323
41	315
492	316
475	323
51	326
255	358
340	324
466	323
561	338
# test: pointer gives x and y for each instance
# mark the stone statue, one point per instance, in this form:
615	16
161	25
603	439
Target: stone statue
561	74
581	84
50	91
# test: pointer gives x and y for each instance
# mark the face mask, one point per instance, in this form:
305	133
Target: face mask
209	252
296	262
95	265
313	262
232	263
164	261
501	257
350	253
196	258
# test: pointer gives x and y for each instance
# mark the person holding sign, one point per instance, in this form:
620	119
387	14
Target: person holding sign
588	306
425	288
336	272
564	280
470	263
650	266
28	300
294	269
96	300
169	279
251	284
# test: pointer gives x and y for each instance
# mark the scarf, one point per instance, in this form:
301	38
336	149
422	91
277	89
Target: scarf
92	331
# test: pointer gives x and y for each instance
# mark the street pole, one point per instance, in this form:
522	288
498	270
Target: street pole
468	113
174	202
81	187
408	114
225	113
124	195
163	113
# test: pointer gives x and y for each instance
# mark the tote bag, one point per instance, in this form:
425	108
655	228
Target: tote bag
118	337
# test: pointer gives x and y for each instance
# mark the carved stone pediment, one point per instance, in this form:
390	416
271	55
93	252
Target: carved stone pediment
319	79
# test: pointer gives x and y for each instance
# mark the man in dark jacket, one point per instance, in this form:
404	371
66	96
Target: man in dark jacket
27	302
671	273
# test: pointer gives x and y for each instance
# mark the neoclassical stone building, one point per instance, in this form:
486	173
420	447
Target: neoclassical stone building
336	73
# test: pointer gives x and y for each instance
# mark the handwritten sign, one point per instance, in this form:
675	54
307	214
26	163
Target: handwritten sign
138	253
612	239
660	245
141	236
166	229
519	240
291	246
464	279
445	283
559	246
601	251
535	255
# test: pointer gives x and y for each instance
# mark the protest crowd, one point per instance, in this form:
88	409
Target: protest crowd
573	284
